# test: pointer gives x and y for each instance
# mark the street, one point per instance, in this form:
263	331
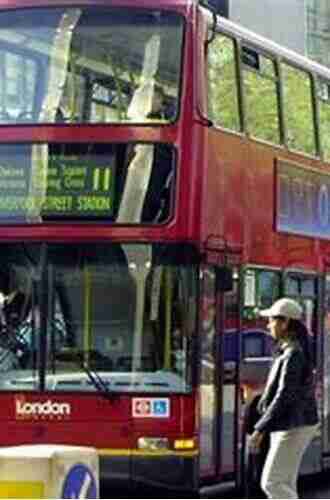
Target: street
318	487
312	487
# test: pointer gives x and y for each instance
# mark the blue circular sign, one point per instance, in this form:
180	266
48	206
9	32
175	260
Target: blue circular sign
79	483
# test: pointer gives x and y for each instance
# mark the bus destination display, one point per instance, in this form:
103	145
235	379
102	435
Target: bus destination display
76	188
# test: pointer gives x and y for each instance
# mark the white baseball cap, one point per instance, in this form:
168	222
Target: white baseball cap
288	308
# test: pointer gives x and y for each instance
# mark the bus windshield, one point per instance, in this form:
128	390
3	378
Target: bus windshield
125	312
89	65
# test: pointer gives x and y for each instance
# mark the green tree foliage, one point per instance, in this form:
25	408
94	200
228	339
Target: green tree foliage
298	109
324	112
223	99
261	100
261	85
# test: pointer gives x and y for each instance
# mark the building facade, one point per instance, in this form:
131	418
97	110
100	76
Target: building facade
300	25
280	20
318	30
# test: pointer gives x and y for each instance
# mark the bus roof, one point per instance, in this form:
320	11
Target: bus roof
267	46
5	4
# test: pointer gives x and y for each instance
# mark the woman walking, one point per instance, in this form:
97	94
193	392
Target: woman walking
287	406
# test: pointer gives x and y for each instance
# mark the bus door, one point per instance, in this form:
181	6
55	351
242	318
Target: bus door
218	376
304	287
230	351
261	287
326	371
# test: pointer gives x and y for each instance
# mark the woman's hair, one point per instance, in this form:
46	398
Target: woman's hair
302	336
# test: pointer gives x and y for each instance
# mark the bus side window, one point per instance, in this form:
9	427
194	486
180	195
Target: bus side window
222	83
298	109
261	97
253	344
261	289
323	96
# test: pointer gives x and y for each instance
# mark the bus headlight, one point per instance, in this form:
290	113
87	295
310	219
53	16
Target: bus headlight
153	443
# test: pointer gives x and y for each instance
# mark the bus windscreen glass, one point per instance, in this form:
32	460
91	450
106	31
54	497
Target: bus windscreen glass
89	65
123	312
113	183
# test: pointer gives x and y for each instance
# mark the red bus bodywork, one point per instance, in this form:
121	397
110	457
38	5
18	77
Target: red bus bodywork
225	200
90	419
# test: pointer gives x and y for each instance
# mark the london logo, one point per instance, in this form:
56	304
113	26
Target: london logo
26	409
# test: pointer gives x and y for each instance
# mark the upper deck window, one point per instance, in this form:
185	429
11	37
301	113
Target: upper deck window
323	96
222	81
261	97
83	65
298	108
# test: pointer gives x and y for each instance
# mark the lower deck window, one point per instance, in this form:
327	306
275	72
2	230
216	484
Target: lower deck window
121	314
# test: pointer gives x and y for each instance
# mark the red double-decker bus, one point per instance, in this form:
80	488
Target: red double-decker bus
164	174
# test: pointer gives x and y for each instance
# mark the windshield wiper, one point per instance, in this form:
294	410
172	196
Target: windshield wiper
97	381
79	358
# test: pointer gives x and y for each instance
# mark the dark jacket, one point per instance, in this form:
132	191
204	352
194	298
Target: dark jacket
288	400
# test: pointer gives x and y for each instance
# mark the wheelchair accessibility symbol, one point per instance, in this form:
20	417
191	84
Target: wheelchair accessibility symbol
79	483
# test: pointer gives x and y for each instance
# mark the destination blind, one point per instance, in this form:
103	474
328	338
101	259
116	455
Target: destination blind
76	188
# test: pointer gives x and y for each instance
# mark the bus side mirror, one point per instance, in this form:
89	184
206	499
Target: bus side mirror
224	277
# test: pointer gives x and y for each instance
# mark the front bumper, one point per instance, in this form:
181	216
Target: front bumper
169	471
